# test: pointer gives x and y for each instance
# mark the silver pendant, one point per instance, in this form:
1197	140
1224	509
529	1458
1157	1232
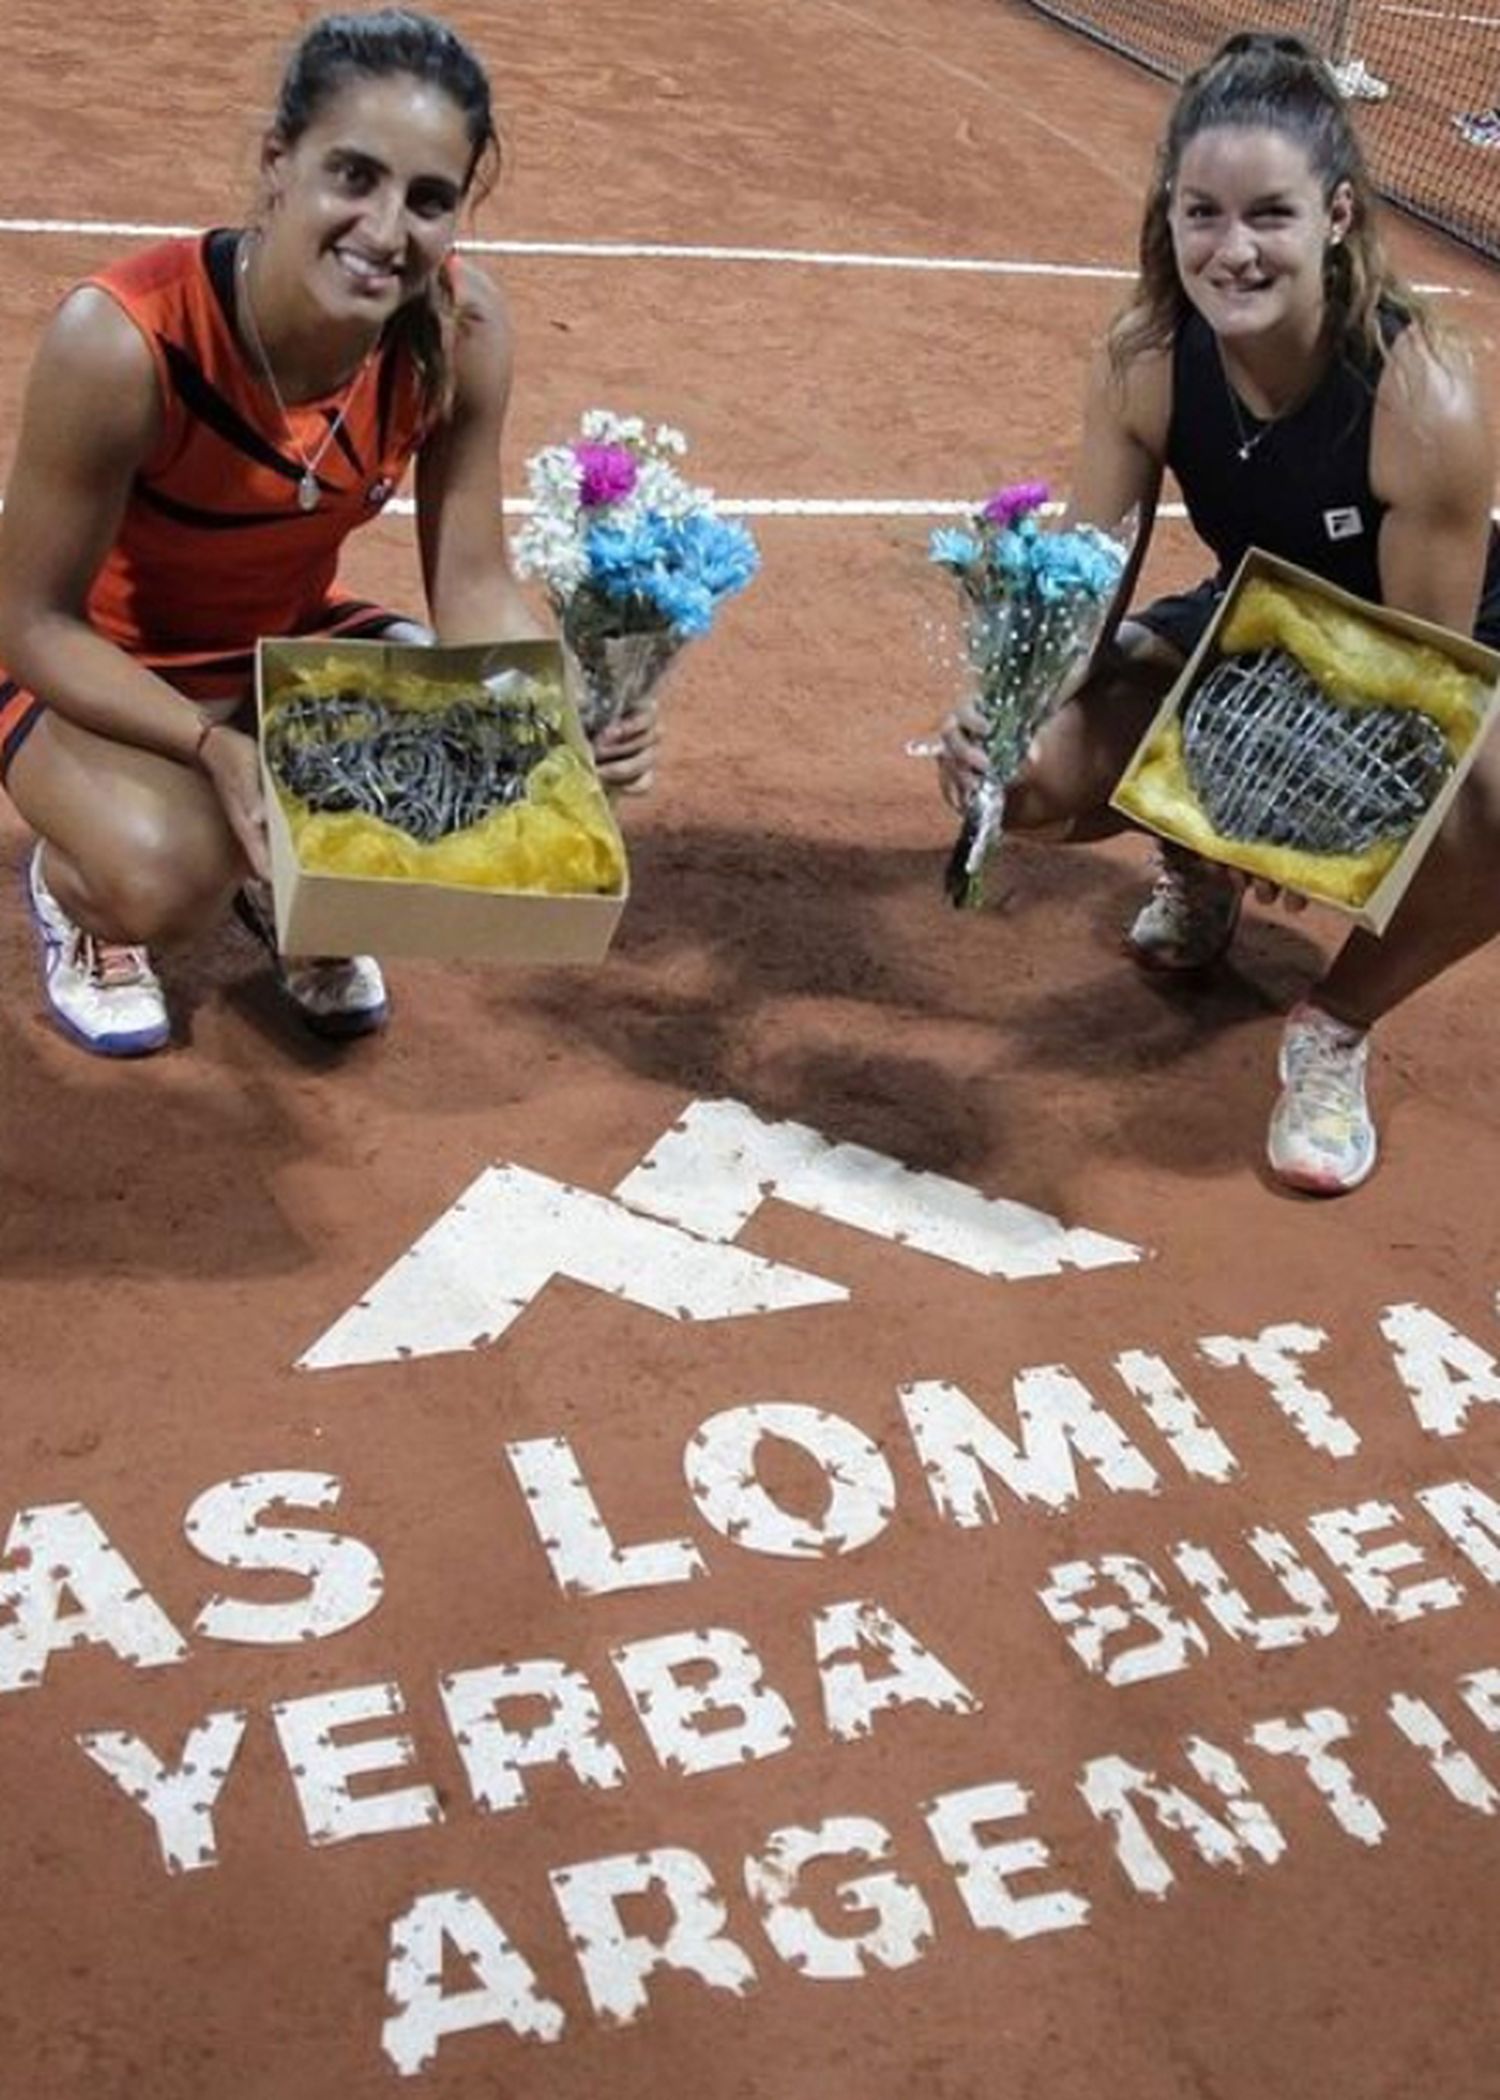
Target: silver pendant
307	491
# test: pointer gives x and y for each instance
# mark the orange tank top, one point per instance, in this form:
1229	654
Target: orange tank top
214	550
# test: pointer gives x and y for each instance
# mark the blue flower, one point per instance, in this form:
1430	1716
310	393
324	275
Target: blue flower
681	567
616	558
723	556
954	549
686	603
1063	565
1011	553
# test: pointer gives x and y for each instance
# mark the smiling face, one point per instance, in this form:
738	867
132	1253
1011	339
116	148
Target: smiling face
1250	230
365	202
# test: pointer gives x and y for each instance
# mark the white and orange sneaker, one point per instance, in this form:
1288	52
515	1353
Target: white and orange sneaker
1322	1137
1188	921
103	994
336	995
341	996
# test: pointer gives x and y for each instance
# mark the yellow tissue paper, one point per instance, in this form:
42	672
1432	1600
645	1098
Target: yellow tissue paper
1354	661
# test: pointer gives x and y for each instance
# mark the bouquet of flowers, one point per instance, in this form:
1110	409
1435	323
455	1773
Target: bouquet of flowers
634	559
1034	603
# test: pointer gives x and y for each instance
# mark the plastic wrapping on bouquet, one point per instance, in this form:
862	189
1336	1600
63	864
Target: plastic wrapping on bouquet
1035	603
616	674
976	845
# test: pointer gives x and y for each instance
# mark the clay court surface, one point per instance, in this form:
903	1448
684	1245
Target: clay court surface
845	1614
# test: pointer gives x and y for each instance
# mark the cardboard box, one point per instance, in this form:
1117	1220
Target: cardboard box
319	913
1483	664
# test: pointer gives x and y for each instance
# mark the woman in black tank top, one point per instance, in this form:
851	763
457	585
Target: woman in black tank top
1308	404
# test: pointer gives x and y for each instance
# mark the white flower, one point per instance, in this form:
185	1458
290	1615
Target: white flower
666	439
551	550
554	478
662	488
601	426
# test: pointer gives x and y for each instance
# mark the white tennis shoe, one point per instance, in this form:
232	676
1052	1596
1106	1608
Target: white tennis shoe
104	995
340	996
1322	1137
1189	919
336	995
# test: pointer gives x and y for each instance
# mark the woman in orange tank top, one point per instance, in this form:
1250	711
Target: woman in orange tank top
204	425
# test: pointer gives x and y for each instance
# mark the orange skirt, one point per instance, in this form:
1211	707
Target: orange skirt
208	679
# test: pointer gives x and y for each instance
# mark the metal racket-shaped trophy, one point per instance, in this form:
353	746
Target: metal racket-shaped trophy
1314	741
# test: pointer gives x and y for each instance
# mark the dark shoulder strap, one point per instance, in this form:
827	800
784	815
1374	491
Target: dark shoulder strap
220	249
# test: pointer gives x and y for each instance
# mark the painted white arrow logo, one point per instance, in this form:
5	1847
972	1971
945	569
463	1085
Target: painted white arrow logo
664	1239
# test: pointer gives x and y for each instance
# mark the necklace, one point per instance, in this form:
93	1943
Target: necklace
308	490
1248	440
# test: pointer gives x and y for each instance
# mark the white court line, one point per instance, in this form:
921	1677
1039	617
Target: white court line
807	258
633	251
820	507
664	251
1441	14
815	507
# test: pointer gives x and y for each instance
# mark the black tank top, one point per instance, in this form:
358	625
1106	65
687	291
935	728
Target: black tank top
1304	490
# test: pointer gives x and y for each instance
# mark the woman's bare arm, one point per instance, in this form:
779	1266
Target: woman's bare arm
90	419
1432	462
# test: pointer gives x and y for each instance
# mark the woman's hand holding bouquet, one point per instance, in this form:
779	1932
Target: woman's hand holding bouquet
1035	604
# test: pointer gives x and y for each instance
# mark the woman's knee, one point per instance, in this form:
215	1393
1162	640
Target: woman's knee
159	889
1477	806
1050	800
1076	762
1460	873
139	849
1067	780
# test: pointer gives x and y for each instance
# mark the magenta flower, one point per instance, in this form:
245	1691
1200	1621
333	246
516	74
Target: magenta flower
606	473
1017	501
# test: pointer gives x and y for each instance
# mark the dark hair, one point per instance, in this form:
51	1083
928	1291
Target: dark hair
1260	82
388	43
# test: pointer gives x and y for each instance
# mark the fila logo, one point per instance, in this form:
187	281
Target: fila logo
1345	524
665	1238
